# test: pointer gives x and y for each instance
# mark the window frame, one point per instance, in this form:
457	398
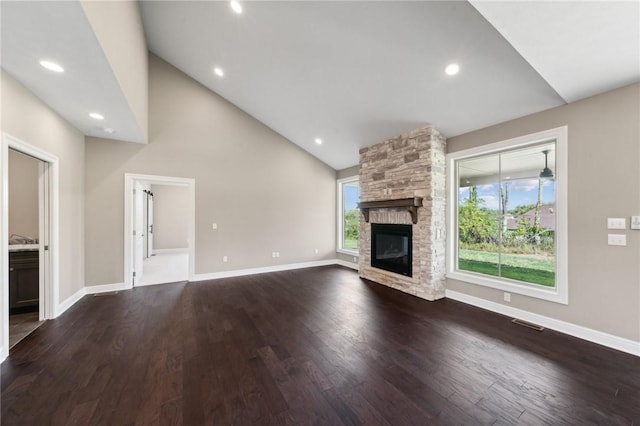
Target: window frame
340	216
558	294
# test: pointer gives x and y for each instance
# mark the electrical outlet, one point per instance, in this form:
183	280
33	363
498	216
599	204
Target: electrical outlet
225	258
273	254
277	254
214	226
507	297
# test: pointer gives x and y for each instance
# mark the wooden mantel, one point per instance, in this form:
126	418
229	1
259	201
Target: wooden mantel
411	204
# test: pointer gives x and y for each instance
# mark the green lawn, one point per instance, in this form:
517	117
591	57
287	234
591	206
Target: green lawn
350	244
521	267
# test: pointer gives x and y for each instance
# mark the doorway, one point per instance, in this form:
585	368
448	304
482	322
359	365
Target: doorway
28	239
24	235
159	229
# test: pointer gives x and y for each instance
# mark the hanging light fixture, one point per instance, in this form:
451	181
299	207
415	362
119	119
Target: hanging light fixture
546	172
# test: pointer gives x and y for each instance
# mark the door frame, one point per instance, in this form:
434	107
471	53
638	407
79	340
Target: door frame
130	179
48	224
148	229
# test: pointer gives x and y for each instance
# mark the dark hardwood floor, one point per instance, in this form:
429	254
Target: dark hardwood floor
312	346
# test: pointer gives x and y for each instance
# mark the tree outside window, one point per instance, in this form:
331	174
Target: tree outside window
506	215
349	220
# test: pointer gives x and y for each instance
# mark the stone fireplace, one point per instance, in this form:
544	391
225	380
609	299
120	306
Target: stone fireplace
402	182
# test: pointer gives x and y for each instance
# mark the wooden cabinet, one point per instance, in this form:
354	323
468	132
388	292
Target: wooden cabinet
24	280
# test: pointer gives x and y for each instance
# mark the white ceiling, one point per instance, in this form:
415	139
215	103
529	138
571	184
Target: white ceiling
59	31
580	48
351	73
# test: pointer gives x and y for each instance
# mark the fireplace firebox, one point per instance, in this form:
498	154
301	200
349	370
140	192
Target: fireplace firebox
391	248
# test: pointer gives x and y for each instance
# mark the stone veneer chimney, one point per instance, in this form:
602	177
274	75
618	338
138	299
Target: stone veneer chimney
410	165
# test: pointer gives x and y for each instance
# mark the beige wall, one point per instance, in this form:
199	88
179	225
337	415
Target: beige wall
604	181
352	171
25	117
118	28
23	194
264	192
170	217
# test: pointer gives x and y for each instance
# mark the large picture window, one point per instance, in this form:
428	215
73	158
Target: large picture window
507	211
348	215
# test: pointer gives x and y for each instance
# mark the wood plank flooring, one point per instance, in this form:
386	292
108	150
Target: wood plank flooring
311	346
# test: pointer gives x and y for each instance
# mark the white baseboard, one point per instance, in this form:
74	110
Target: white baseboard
105	288
262	270
347	264
137	285
170	251
69	302
605	339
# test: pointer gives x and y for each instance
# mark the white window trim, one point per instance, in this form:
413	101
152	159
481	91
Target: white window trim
559	294
340	203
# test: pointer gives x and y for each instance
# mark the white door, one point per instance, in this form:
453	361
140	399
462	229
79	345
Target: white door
150	223
43	236
138	232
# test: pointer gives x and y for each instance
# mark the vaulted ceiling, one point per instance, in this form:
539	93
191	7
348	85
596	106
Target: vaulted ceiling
349	73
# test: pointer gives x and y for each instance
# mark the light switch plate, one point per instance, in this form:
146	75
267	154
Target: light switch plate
616	223
635	222
617	239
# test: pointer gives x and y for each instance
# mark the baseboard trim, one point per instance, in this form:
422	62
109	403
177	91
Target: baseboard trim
137	285
105	288
262	270
170	251
73	299
346	264
619	343
69	302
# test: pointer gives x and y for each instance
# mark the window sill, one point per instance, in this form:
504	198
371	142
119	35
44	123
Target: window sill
538	292
349	252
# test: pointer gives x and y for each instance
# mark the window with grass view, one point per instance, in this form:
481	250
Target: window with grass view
349	215
507	215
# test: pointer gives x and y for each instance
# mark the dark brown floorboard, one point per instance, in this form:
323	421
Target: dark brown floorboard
312	346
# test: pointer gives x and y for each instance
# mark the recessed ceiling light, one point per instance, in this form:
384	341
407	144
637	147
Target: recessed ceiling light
96	116
218	72
52	66
452	69
236	6
318	141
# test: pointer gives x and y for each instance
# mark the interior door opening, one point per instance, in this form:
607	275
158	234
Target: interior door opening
29	240
159	229
26	199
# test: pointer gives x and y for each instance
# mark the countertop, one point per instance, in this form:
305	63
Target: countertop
24	247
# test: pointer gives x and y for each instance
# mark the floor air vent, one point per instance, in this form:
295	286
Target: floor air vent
536	327
107	293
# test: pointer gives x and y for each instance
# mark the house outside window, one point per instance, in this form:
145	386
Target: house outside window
508	215
348	215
